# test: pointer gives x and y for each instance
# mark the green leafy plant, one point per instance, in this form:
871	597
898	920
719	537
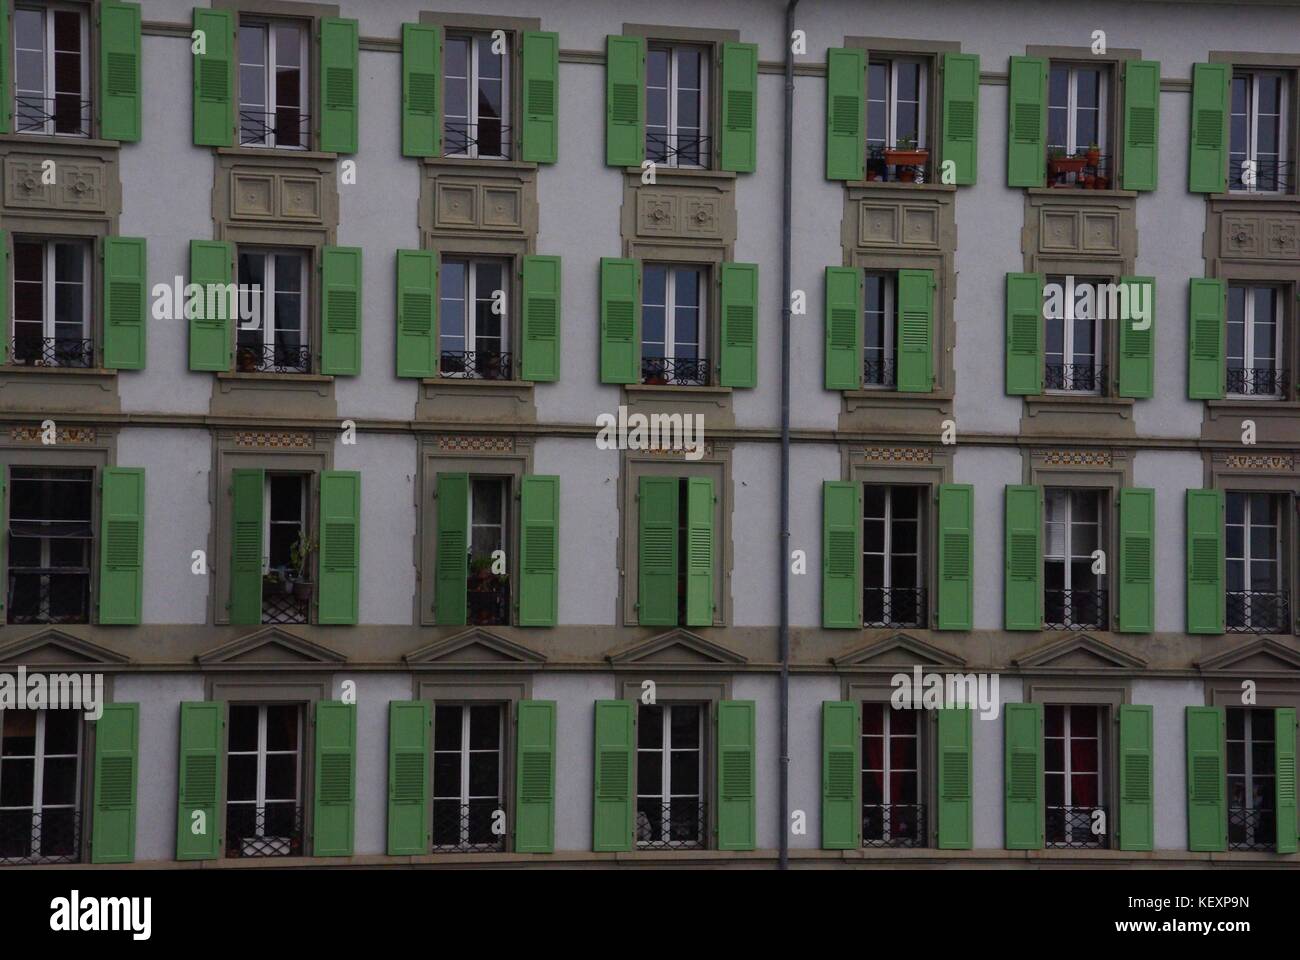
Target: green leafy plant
300	555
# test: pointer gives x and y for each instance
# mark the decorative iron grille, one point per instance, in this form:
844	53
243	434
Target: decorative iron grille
893	825
1084	377
1271	176
690	150
879	168
487	601
49	594
71	115
281	607
1073	826
461	138
1078	173
1251	611
273	830
1251	829
1257	381
893	606
675	824
288	127
477	826
1075	609
879	373
681	371
53	352
273	358
476	364
49	836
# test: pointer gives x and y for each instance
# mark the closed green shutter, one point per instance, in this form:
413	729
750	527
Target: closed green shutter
844	322
4	260
620	320
340	546
408	777
1023	726
956	602
6	74
961	112
340	311
1137	348
1207	154
1141	124
739	367
1024	334
657	515
956	800
699	552
119	71
539	548
535	780
1207	808
1207	330
1137	560
452	549
214	79
1027	124
1284	725
126	266
121	551
338	85
1023	599
198	793
1206	601
421	90
541	296
841	776
211	334
117	758
841	555
336	779
1136	778
624	101
739	151
736	786
246	504
417	313
540	62
846	89
612	804
915	331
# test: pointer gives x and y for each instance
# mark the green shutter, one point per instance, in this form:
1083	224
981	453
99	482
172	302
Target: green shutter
841	555
539	548
961	113
915	331
121	549
739	150
535	779
1207	330
417	313
408	777
657	508
624	101
956	776
540	65
620	320
612	802
6	75
336	779
341	311
126	266
1137	561
212	337
1207	154
844	322
4	258
421	90
452	549
1027	123
846	94
117	753
541	341
1207	808
1023	772
1023	597
1136	778
736	787
1137	348
339	79
1141	124
198	793
739	367
119	71
214	79
339	586
1206	600
246	503
1024	334
841	776
1284	725
699	552
956	602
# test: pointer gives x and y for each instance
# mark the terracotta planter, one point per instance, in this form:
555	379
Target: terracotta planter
1093	157
907	158
907	175
1059	165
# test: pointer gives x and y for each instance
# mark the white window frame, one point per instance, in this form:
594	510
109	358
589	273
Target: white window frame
671	132
464	751
49	285
471	116
1068	346
891	100
889	280
888	548
1253	78
268	27
665	796
48	92
887	767
1068	771
471	299
38	758
280	845
1248	361
1072	146
503	524
1067	495
1248	775
1247	560
671	344
266	513
269	320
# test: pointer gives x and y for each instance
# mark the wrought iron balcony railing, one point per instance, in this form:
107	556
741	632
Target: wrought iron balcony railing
1080	172
878	373
49	595
48	836
476	364
1252	611
65	114
1073	826
286	128
272	830
1075	610
474	827
678	823
1252	829
1083	377
487	600
678	372
1257	381
893	825
1270	176
53	351
678	149
893	606
273	358
487	139
279	606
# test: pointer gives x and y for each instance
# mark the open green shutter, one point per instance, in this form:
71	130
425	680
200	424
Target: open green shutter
846	94
1023	599
339	80
841	555
211	334
340	546
1023	773
408	777
4	259
540	62
844	321
739	150
1284	726
119	71
956	557
915	331
657	515
198	793
956	800
246	504
117	758
417	313
121	552
6	74
961	111
535	780
1207	331
620	320
126	266
1207	807
841	776
214	79
624	101
1207	154
736	786
421	90
739	367
1141	124
699	552
1027	123
1136	778
1206	601
1137	348
1137	560
336	779
1024	334
452	549
539	547
541	322
613	805
341	311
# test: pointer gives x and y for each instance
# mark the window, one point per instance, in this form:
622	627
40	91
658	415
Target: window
1073	345
1255	342
1252	791
1257	599
50	537
468	804
670	798
677	105
473	319
673	318
893	577
1077	129
273	99
1074	595
51	70
879	357
51	303
1258	146
275	337
892	805
1072	777
477	86
488	587
897	112
40	786
264	796
285	533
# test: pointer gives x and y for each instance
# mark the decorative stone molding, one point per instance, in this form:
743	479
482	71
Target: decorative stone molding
62	435
1077	458
1259	461
278	190
898	455
1253	231
474	200
1078	224
465	443
698	207
277	439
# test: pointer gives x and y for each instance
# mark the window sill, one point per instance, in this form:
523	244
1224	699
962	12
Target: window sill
477	163
49	140
1084	399
675	389
274	153
21	368
1076	191
690	173
902	186
475	382
274	377
895	396
1243	197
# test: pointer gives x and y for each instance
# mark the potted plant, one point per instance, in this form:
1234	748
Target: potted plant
906	155
1092	154
1058	163
300	559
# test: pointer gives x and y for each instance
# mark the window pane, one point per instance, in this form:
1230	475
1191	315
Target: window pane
241	770
485	727
242	731
282	776
650	725
684	768
685	726
282	727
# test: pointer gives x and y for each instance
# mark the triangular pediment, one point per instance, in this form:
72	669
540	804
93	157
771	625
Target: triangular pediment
1079	652
51	647
474	648
270	647
900	650
1263	654
676	648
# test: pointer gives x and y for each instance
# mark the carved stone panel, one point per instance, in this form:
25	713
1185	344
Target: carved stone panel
691	209
85	184
896	223
479	200
275	190
1074	223
1260	232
